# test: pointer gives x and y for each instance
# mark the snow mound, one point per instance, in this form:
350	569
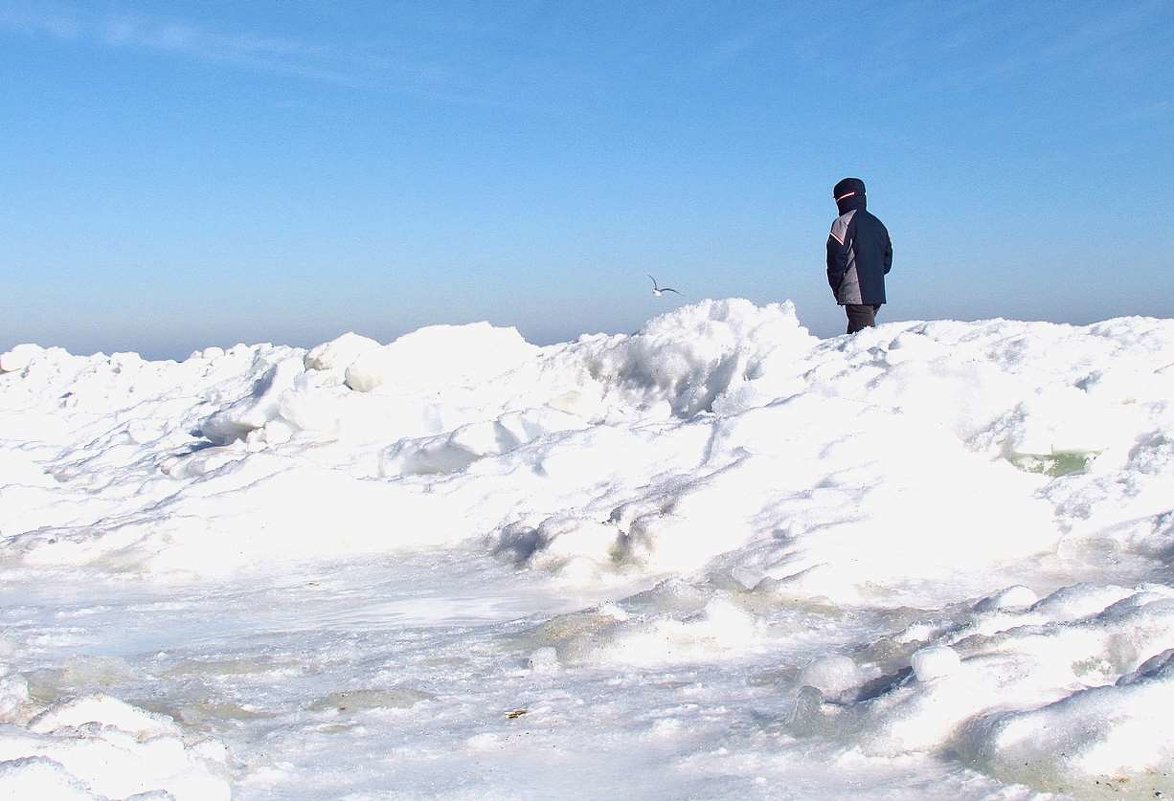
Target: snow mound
690	358
19	357
880	468
439	355
1117	735
98	747
931	546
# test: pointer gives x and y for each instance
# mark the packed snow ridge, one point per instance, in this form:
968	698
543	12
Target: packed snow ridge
1013	478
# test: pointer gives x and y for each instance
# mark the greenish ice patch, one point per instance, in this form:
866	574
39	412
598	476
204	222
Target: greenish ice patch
1060	463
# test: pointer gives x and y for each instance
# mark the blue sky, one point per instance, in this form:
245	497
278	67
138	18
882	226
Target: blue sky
175	175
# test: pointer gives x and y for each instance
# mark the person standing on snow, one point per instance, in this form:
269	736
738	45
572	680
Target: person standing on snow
860	255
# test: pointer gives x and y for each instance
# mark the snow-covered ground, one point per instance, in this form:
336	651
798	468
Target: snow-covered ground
717	559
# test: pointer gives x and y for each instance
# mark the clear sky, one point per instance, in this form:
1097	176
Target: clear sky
181	174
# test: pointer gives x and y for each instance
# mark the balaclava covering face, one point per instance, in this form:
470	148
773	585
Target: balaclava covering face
849	194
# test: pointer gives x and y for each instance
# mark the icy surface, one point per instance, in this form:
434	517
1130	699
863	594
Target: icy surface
719	558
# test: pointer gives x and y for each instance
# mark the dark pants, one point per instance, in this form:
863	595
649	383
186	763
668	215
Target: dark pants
861	315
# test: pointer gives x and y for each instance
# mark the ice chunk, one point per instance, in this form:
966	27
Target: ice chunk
110	749
258	408
1017	597
339	353
831	675
39	777
105	711
934	662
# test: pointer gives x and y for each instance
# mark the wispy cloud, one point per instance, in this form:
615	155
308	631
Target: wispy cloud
290	57
984	45
1106	33
262	53
40	22
731	47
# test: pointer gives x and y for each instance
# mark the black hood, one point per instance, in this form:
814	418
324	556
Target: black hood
849	195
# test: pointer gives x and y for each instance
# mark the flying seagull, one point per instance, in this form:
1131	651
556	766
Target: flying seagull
660	290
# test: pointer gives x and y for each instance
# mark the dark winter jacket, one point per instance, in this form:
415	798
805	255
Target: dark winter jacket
860	253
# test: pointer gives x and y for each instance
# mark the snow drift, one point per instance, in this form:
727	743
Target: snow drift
996	493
